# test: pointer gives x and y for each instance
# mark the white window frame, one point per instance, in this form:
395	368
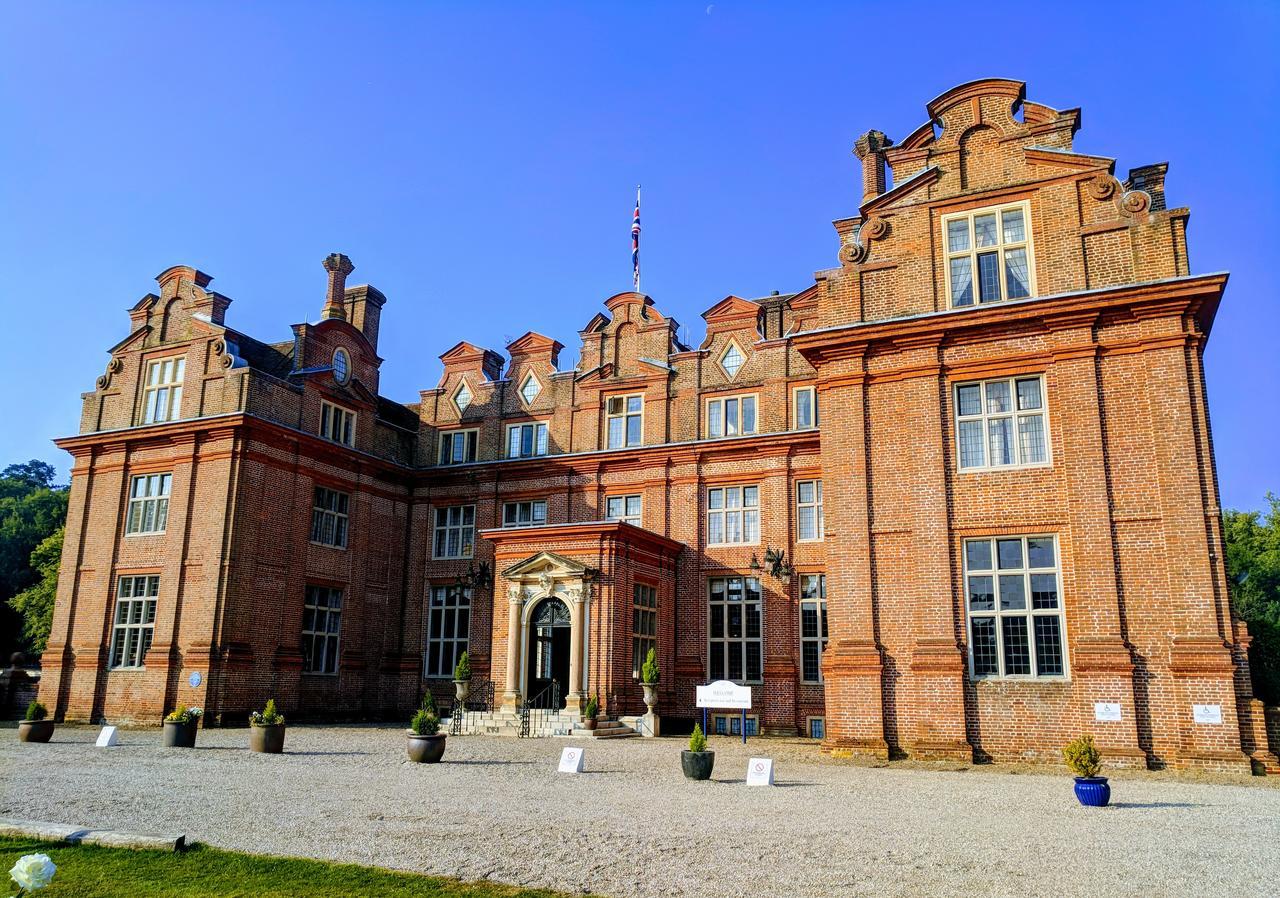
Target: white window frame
337	423
625	416
819	605
324	635
1000	248
451	520
162	399
722	403
815	506
134	622
331	515
471	396
722	638
644	624
813	405
454	608
151	504
742	353
529	377
747	516
1029	612
533	521
449	446
1015	415
540	439
627	516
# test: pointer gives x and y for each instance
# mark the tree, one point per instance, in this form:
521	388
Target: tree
35	603
32	507
1253	570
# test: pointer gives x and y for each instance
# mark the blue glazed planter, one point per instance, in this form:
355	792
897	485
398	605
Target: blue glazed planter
1093	791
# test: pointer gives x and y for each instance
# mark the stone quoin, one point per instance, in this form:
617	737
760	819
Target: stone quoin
945	501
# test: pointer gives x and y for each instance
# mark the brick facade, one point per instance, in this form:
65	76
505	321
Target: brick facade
1114	327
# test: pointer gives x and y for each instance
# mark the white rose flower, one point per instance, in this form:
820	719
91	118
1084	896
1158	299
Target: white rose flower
34	871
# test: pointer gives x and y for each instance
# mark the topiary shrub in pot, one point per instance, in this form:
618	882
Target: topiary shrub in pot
697	762
180	727
35	727
462	678
590	712
426	742
266	730
649	680
1084	759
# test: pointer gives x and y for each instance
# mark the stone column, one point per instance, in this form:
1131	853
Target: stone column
577	639
511	695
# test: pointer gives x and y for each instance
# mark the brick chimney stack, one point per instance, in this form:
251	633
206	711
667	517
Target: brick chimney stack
870	149
338	266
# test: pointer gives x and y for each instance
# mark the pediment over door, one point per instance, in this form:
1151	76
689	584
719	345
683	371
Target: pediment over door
556	566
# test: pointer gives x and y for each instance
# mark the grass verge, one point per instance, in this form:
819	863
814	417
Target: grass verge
90	871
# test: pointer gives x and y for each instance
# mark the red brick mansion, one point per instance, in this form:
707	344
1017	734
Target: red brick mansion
956	498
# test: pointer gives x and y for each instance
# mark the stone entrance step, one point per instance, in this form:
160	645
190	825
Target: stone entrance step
606	729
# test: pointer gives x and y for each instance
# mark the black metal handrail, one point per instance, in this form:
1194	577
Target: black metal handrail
479	700
535	711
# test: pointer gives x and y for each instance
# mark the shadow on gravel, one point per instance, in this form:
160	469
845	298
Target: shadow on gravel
303	754
490	763
1138	805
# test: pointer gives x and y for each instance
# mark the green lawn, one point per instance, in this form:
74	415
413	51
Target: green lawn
92	872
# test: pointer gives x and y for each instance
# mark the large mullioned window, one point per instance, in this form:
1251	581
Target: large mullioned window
1001	423
148	504
624	508
524	514
733	515
624	421
329	517
337	424
731	416
162	394
1015	607
321	627
813	625
809	521
135	620
734	630
458	446
527	440
644	625
988	254
448	626
455	532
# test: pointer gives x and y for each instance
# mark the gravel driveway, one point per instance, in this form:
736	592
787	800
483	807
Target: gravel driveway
633	826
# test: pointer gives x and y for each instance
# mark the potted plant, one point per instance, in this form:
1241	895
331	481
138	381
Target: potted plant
35	727
180	727
649	679
1084	759
697	761
462	678
426	742
590	711
266	730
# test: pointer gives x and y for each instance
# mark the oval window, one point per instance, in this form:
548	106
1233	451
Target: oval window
341	366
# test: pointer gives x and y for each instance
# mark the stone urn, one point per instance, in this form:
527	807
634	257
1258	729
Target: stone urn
426	749
461	689
180	735
266	738
35	730
650	696
697	765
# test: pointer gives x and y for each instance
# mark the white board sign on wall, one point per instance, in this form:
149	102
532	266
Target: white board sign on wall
1106	711
1207	713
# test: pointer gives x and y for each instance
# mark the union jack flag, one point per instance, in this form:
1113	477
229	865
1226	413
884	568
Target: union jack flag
635	243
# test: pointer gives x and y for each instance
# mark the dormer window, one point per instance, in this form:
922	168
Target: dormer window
462	397
162	396
337	424
624	417
530	389
732	360
988	255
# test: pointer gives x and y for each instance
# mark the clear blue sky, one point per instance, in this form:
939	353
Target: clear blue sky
478	163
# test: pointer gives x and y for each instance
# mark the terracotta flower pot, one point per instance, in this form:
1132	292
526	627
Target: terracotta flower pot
588	723
426	749
267	738
180	735
35	731
697	764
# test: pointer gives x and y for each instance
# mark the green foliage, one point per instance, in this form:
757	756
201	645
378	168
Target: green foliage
91	871
32	508
183	714
649	670
592	708
268	716
463	669
1082	756
697	741
1253	572
36	711
429	703
425	723
35	603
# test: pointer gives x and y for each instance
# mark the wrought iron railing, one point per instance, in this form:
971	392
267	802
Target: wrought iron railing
535	712
479	700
